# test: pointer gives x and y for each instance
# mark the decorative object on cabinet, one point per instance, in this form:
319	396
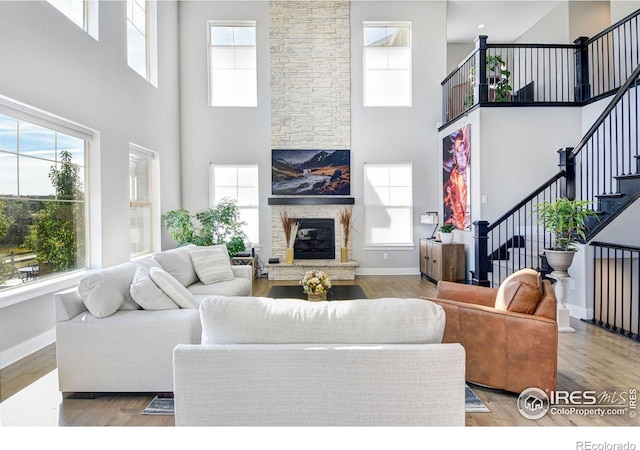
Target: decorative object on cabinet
430	218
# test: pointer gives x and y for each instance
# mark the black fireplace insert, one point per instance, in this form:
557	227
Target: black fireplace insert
315	239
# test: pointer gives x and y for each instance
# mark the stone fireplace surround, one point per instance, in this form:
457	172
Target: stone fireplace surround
335	269
310	68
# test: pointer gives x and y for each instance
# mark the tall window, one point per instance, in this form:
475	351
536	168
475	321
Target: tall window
141	38
240	183
83	13
232	64
388	204
141	200
387	64
42	201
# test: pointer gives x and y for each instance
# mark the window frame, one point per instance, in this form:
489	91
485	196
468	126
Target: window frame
256	207
150	37
210	46
138	152
372	245
409	70
26	113
90	21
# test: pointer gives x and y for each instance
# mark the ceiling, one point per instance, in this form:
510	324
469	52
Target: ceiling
504	20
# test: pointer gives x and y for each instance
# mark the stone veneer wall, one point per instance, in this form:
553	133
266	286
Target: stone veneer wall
310	74
310	91
279	245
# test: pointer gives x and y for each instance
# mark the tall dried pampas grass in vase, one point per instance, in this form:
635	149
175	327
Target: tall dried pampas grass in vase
290	228
345	219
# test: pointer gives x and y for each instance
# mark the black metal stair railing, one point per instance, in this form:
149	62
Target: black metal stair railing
611	55
515	240
606	160
602	168
616	288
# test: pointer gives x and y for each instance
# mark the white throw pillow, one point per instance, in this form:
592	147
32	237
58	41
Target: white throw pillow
101	294
177	262
146	294
172	287
212	265
254	320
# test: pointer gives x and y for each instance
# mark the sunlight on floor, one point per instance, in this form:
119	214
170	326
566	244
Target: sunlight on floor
37	405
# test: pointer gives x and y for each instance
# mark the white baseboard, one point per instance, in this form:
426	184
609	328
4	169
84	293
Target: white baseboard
26	348
580	313
387	271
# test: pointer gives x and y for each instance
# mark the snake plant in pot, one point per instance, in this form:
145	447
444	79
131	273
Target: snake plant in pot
566	220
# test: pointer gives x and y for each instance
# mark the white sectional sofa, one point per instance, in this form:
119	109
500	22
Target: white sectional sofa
107	342
285	362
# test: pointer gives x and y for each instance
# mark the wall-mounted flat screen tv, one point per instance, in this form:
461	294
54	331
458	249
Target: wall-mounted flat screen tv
310	172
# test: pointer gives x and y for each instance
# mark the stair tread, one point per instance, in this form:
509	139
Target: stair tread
615	195
630	176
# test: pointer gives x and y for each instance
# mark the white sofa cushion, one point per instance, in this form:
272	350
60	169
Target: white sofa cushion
107	291
101	293
212	265
177	262
172	288
255	320
237	287
147	294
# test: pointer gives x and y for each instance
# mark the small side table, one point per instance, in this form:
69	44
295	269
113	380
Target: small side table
246	261
563	311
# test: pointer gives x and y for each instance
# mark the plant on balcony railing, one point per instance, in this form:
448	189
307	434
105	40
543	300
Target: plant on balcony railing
498	75
500	78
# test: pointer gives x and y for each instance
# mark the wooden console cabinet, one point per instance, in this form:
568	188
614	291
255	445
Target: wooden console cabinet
440	261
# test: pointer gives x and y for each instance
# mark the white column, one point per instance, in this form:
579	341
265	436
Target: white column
563	311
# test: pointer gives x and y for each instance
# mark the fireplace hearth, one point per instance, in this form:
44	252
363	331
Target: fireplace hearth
315	239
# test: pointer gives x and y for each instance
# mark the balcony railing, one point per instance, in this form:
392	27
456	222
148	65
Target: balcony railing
511	73
543	74
616	288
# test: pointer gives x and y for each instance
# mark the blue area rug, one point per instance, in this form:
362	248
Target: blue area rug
472	403
161	406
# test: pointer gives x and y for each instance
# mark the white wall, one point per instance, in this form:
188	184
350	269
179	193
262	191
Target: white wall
222	135
378	134
622	8
399	134
551	29
458	53
51	64
512	153
588	18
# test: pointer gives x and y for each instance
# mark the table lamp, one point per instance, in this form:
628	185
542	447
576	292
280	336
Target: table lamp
430	218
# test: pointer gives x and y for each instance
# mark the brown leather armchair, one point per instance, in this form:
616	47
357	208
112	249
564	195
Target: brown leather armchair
510	334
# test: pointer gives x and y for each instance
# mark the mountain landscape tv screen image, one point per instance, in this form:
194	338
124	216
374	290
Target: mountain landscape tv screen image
310	172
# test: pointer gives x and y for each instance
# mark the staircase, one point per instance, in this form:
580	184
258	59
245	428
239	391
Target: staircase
603	168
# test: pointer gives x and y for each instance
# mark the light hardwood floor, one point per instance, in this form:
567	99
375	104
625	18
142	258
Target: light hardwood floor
589	359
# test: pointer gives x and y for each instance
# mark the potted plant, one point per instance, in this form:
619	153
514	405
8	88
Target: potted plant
446	233
566	220
498	78
218	225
